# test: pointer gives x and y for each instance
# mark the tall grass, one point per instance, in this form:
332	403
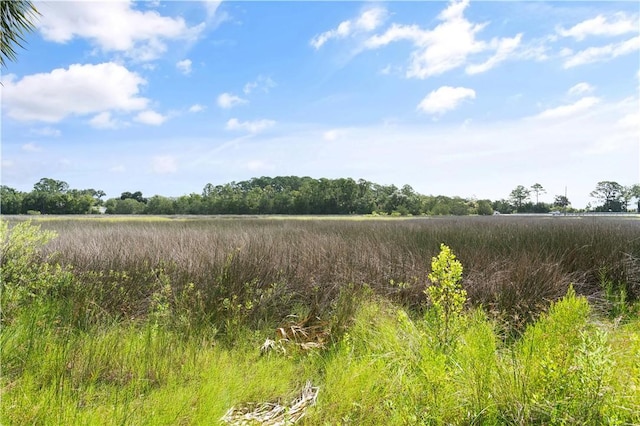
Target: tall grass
267	269
161	323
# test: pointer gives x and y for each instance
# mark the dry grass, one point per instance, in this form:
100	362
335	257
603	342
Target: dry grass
263	270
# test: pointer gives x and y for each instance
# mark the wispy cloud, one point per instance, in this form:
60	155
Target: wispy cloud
565	111
447	46
229	100
367	21
141	35
103	121
46	132
31	147
196	108
444	99
580	89
602	53
618	24
150	117
184	66
262	83
253	127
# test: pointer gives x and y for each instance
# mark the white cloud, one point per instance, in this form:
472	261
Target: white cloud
603	53
46	131
444	99
196	108
253	127
332	135
184	66
211	6
229	100
78	90
113	26
164	164
580	89
117	169
504	49
31	147
448	45
368	21
150	117
261	83
601	26
103	121
564	111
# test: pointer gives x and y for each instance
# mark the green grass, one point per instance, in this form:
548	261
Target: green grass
162	323
388	368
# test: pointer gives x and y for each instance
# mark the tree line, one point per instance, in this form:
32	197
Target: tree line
300	196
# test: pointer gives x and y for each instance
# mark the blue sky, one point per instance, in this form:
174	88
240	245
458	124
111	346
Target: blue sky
453	98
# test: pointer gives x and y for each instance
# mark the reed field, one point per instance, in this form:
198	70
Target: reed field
175	320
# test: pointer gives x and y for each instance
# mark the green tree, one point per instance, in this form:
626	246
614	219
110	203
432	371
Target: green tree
18	17
561	201
484	208
538	189
519	196
610	194
10	200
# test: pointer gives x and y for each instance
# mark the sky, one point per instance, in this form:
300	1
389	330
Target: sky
459	98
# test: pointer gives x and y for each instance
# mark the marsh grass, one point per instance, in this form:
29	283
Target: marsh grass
260	270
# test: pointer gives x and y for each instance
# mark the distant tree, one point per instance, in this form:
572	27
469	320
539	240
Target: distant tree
561	201
134	196
634	191
610	194
538	189
126	206
484	208
18	17
519	196
10	200
51	186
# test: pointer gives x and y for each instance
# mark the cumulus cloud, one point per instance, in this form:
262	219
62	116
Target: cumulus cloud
261	83
368	21
253	127
113	26
444	99
565	111
580	89
229	100
164	164
184	66
150	117
603	53
619	24
77	90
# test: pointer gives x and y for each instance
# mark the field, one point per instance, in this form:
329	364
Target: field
161	320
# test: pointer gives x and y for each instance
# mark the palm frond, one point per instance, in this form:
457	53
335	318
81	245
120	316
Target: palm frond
18	17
